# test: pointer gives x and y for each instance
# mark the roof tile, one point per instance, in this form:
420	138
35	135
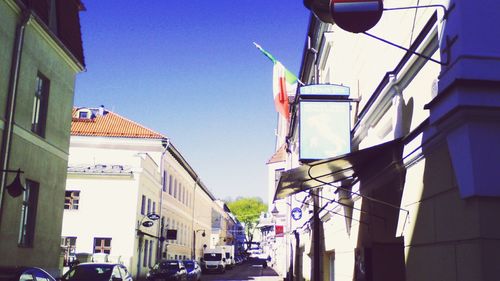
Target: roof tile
109	124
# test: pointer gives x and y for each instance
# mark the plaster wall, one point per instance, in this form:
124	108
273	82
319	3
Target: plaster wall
43	159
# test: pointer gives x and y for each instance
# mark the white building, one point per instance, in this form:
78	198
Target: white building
113	183
119	172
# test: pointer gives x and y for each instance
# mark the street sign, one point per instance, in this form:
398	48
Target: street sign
296	213
356	15
153	216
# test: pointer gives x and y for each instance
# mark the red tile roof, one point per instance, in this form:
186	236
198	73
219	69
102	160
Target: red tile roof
109	124
279	156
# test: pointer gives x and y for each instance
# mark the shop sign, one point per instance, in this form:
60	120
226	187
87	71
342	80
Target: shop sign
356	15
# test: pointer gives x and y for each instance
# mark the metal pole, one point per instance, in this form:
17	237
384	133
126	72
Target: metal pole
165	144
317	263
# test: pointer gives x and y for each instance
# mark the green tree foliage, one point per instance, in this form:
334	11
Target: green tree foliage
248	210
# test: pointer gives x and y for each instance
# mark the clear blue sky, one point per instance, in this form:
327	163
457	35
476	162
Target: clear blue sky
189	70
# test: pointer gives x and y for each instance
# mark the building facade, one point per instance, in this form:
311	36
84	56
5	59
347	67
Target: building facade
114	178
41	54
413	198
138	200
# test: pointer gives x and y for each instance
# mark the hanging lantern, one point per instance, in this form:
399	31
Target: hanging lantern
16	188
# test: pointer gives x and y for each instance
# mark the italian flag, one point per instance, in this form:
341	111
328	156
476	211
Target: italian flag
284	84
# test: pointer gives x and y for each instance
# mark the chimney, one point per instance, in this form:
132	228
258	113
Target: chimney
101	110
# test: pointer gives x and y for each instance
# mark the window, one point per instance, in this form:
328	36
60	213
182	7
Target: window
149	206
143	205
83	115
28	214
145	258
102	245
40	105
277	176
150	252
170	179
175	188
53	16
154	207
68	244
165	177
72	200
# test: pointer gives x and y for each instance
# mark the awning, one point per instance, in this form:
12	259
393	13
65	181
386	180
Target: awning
358	164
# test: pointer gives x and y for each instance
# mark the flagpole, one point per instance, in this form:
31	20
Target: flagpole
273	59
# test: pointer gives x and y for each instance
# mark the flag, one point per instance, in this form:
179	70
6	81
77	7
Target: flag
284	84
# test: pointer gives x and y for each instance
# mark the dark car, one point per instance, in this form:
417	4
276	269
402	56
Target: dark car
193	270
168	270
97	272
24	273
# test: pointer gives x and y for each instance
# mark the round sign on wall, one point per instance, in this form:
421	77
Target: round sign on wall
296	213
356	15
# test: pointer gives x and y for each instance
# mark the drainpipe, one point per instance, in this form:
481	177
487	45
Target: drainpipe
11	99
165	142
193	253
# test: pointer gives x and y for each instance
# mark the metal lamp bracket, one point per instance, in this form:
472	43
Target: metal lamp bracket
449	41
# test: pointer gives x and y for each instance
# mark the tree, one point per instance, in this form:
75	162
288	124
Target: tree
248	211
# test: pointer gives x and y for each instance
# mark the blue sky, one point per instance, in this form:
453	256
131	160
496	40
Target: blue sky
189	70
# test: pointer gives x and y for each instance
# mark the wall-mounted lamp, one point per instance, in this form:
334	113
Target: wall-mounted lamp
275	211
203	234
16	188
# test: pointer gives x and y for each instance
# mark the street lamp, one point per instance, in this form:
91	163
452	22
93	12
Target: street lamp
275	211
16	188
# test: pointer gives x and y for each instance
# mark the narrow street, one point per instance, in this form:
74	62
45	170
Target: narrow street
249	270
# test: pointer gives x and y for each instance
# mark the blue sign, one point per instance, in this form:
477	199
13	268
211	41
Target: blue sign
296	213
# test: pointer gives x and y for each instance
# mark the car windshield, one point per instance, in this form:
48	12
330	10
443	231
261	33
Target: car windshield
92	272
169	265
189	265
212	257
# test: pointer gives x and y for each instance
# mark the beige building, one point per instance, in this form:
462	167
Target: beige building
41	54
186	205
414	198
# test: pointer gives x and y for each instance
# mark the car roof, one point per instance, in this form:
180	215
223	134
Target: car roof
102	264
9	271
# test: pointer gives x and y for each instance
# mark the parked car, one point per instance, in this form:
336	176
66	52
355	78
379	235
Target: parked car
20	273
168	270
91	271
193	270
